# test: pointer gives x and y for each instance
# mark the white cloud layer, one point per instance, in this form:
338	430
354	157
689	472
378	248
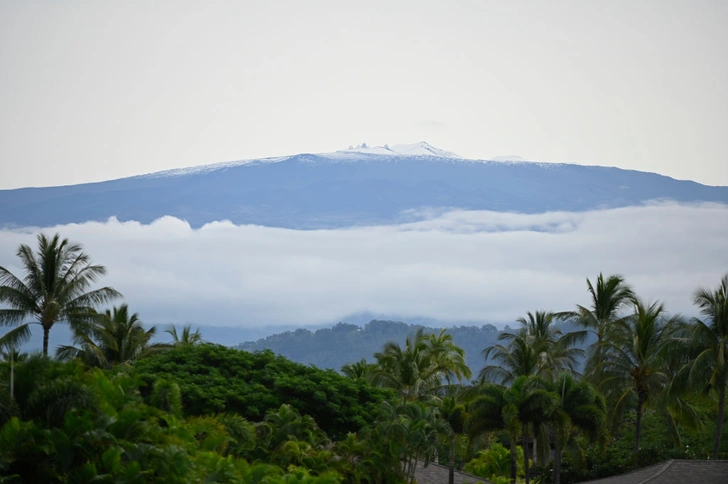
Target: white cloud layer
455	266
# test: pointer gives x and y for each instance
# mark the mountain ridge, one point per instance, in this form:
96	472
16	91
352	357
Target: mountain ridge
344	343
326	191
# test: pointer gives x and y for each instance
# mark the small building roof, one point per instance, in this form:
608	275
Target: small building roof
439	474
674	472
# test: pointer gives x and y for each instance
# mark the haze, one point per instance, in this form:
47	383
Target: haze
101	90
454	267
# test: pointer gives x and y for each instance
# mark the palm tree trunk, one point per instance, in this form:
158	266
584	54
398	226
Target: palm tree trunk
46	330
12	374
514	462
557	464
638	424
721	416
451	472
526	445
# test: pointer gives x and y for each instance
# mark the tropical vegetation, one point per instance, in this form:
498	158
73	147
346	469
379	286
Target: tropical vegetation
55	288
566	396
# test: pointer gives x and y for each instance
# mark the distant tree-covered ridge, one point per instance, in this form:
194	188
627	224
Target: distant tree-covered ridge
347	343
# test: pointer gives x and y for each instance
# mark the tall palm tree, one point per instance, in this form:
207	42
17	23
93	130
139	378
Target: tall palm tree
518	358
710	337
448	357
555	349
538	348
631	361
682	404
523	409
581	409
486	414
12	356
422	367
55	288
113	338
608	297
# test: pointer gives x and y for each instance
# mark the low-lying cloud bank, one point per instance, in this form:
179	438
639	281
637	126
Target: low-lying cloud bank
454	266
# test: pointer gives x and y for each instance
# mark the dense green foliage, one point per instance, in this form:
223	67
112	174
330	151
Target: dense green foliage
216	379
74	424
495	464
117	408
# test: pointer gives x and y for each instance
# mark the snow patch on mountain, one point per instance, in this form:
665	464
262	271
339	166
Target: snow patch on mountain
362	152
506	158
414	149
353	153
192	170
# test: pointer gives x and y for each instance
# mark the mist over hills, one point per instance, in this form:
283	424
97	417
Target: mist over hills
413	234
356	187
348	343
343	343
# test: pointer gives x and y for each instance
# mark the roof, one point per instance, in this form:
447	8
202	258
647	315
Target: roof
674	472
438	474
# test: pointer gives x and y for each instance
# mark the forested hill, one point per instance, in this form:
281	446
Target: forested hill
349	343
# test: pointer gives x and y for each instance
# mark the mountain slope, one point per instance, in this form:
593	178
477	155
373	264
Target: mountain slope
348	343
354	187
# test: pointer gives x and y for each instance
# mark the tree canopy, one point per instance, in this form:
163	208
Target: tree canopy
215	379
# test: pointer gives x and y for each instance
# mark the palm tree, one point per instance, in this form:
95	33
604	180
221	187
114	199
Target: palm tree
680	404
538	348
113	338
187	338
420	368
580	410
358	370
710	337
517	358
555	350
522	410
631	360
406	433
55	288
607	299
13	356
448	357
286	424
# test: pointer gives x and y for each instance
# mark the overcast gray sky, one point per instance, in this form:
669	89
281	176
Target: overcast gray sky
95	90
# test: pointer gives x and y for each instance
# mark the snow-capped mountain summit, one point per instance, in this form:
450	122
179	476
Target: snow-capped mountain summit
415	149
511	158
353	153
373	185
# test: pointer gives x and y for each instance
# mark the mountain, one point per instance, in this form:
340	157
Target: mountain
360	186
348	343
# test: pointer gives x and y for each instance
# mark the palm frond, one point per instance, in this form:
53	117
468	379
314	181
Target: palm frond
15	337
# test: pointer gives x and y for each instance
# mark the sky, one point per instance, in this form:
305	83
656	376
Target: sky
100	90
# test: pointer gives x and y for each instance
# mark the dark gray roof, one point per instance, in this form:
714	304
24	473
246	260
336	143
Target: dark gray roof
674	472
437	474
